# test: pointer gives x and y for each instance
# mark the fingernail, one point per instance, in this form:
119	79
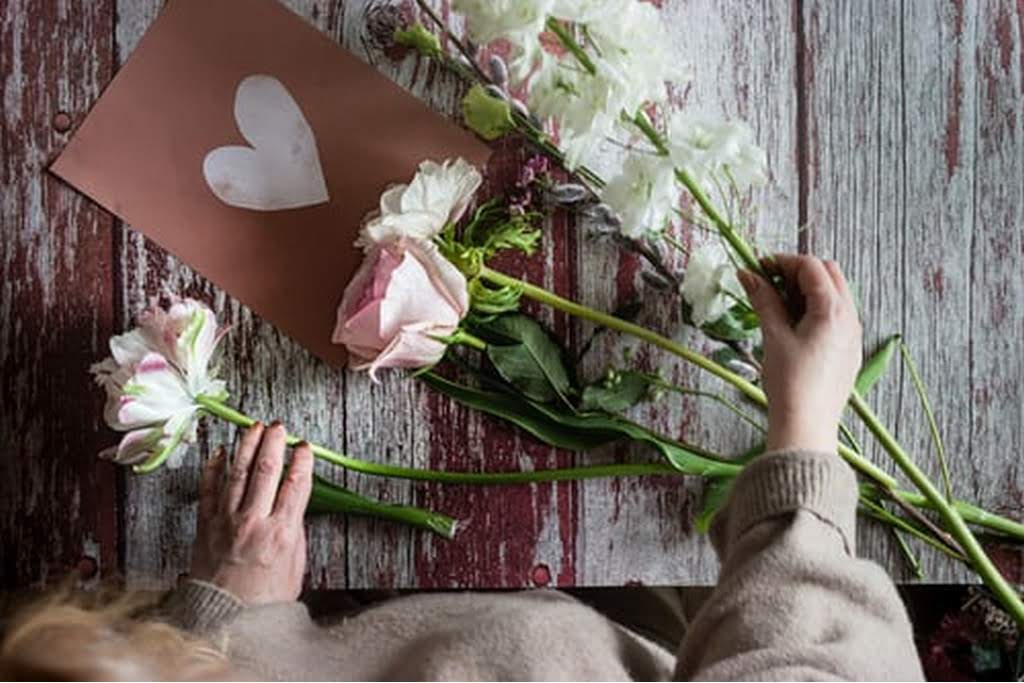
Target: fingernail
275	424
302	444
220	453
257	425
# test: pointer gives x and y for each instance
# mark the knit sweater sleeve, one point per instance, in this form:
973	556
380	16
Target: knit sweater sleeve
199	607
793	602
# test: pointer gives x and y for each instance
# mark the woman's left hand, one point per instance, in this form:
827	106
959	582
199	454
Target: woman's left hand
250	539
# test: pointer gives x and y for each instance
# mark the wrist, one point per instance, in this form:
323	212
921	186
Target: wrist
784	435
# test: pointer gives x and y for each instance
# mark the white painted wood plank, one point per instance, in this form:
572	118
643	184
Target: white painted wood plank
743	55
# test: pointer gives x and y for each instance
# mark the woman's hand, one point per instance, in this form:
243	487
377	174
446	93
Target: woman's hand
810	364
250	539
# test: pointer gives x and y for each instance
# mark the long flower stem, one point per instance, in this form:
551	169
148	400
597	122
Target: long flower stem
875	510
748	389
329	497
971	513
225	412
949	514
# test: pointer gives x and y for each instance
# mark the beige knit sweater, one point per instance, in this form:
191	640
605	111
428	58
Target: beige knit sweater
792	603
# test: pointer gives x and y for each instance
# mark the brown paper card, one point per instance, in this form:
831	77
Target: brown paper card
144	153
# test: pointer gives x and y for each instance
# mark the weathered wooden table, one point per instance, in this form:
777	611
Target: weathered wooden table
895	133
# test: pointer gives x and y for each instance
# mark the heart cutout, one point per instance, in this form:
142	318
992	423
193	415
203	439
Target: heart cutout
281	169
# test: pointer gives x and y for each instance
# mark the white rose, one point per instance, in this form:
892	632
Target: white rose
438	195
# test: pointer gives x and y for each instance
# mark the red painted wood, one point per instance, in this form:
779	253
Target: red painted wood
506	533
58	508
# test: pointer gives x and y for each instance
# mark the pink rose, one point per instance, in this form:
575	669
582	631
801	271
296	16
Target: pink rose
403	298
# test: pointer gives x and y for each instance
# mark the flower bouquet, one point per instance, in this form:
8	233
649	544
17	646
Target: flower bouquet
430	298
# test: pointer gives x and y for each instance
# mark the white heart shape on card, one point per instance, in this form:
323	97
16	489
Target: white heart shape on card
281	168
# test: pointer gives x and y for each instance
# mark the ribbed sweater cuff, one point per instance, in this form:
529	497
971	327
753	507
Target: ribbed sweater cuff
786	481
200	606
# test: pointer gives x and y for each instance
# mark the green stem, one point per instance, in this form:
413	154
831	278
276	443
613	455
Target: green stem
725	228
748	389
971	513
467	339
570	44
933	427
225	412
729	405
880	513
329	497
955	523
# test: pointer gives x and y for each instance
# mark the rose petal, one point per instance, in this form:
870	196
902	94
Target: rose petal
362	329
412	347
447	279
414	298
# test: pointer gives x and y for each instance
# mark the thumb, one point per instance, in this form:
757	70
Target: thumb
766	301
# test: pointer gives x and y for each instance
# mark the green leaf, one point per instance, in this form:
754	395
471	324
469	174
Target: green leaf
716	495
933	426
488	116
737	324
526	356
876	366
557	427
522	414
420	39
617	392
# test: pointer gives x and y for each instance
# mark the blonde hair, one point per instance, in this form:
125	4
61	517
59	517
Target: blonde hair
97	636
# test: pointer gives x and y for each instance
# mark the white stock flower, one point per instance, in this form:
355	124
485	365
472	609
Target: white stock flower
710	284
626	43
580	103
152	379
709	149
632	51
488	20
643	195
438	195
520	22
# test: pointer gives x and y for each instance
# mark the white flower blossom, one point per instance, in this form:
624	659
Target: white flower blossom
631	49
520	22
643	195
710	285
153	377
710	150
438	195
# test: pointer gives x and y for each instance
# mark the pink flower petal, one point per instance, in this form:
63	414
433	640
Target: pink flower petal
411	348
135	446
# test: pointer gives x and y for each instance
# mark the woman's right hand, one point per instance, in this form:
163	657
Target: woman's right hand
810	364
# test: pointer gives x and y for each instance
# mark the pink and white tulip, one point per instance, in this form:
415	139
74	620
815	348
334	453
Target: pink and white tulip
153	377
404	299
